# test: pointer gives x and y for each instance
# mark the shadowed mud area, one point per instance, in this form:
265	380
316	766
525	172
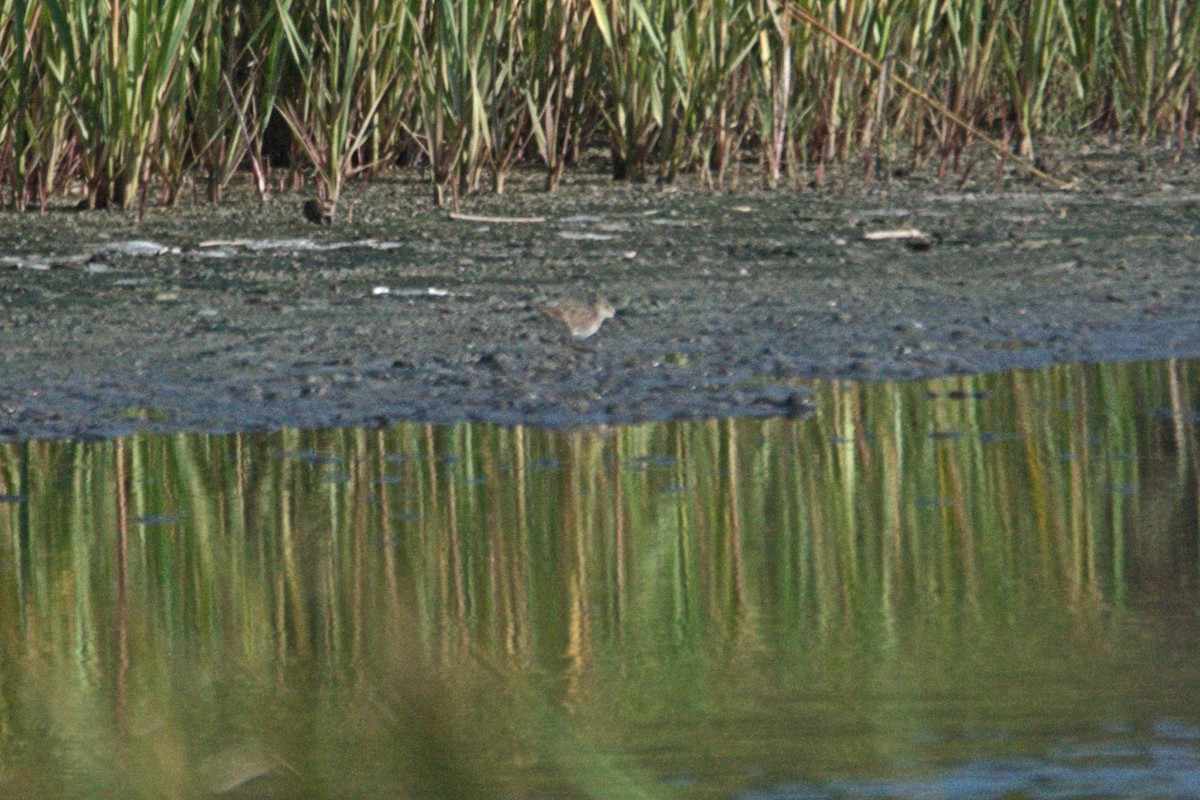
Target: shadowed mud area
246	316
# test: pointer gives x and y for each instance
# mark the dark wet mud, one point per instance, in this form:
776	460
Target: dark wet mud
247	316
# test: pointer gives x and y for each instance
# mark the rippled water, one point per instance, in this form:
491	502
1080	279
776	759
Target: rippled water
977	587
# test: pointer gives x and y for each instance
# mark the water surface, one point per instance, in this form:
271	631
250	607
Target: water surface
970	587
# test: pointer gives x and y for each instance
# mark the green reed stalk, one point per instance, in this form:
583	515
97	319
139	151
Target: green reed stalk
839	88
465	60
347	55
236	69
125	62
971	35
1139	59
14	89
633	75
34	140
708	41
1091	50
554	79
509	126
1032	47
878	39
780	46
1156	60
848	99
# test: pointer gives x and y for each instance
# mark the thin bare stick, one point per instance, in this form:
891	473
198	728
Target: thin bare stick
498	220
892	235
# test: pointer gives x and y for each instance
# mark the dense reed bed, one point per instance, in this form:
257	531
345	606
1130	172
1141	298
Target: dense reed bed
130	101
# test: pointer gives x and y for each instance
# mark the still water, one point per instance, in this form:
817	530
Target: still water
971	587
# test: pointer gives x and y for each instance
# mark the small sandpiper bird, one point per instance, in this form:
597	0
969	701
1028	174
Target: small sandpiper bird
583	319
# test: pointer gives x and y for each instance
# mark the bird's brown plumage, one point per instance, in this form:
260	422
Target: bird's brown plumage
582	319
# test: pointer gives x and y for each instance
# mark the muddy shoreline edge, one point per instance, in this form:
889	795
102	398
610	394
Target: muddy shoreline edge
249	318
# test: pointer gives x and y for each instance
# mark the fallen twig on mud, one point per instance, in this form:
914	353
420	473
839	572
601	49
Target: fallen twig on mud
500	220
898	234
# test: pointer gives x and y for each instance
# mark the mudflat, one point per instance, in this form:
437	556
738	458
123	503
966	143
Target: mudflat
246	316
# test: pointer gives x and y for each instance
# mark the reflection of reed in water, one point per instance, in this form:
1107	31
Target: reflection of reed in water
491	523
341	554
